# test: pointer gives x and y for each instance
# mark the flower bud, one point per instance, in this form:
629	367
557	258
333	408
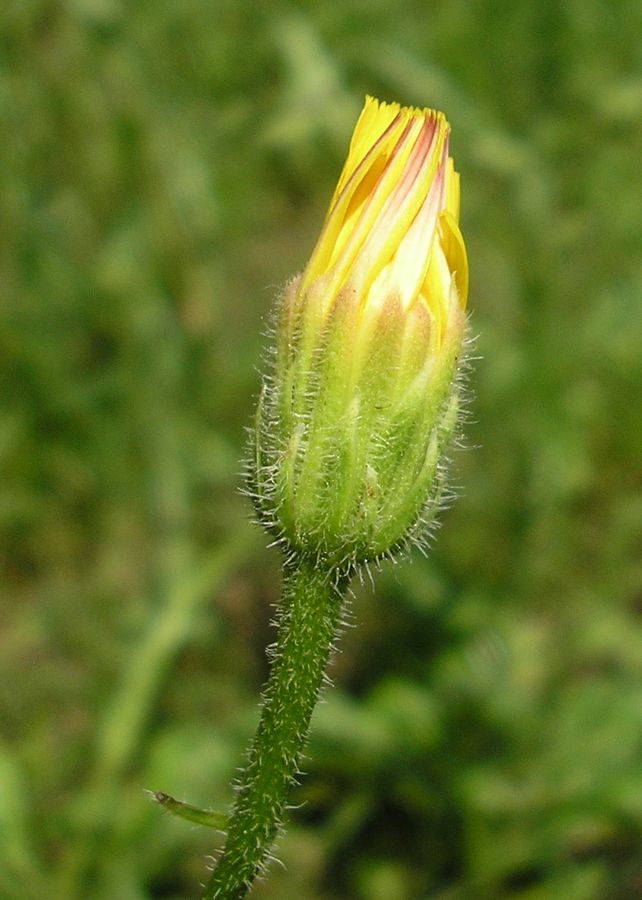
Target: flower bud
363	398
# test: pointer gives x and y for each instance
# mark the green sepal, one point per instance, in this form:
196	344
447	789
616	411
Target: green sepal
352	425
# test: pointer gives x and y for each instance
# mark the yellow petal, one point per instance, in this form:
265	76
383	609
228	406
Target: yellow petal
454	249
452	190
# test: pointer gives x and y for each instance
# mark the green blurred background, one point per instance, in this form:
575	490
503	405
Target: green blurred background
164	167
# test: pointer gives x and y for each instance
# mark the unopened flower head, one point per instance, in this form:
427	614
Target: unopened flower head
363	399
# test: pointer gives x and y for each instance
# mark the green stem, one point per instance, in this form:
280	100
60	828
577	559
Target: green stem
309	616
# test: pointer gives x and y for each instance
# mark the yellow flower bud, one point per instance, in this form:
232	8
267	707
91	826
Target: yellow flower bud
353	423
393	223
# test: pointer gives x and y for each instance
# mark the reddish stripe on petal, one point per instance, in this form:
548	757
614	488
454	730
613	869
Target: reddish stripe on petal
402	209
349	241
339	204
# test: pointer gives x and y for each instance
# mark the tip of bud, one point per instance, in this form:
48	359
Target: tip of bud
384	220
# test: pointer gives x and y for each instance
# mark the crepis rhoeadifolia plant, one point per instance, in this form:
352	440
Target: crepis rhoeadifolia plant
361	399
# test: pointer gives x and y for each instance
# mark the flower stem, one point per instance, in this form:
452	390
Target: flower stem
309	615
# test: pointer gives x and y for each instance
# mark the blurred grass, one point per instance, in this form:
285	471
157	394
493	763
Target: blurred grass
163	168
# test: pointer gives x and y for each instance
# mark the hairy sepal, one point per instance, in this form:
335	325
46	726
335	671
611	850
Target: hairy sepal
353	423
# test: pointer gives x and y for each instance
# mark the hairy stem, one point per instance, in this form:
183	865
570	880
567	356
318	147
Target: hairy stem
310	610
